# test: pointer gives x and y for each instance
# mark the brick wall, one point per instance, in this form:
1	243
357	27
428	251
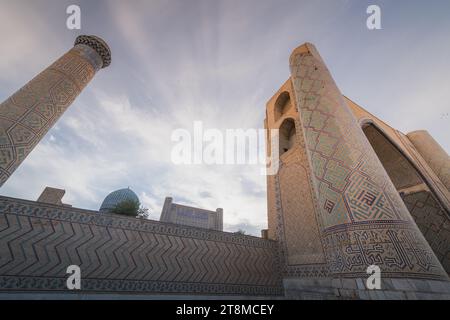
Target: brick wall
121	254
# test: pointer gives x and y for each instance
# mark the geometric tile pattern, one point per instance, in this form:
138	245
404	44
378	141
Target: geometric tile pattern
393	246
301	234
292	211
366	201
28	114
434	223
292	260
353	189
38	241
421	200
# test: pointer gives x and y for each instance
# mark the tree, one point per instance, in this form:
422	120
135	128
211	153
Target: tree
143	213
131	208
127	208
240	231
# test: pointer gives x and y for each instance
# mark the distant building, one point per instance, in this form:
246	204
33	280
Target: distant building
116	197
53	196
190	216
265	234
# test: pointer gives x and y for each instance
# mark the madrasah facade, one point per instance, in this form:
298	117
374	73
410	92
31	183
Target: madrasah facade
351	193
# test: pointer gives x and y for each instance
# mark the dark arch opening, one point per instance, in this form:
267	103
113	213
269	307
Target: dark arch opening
287	135
401	171
282	104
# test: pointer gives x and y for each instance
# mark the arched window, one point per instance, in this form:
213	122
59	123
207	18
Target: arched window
287	135
282	104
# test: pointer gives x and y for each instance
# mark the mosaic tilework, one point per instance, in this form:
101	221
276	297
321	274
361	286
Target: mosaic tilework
292	211
300	232
353	190
29	113
408	150
423	204
116	254
293	262
393	246
434	223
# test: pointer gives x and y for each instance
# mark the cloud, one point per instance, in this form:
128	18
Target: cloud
175	62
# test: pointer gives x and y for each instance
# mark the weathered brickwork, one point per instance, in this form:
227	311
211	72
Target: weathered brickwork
334	206
292	213
302	237
433	221
119	254
425	208
390	245
364	218
28	114
351	289
406	149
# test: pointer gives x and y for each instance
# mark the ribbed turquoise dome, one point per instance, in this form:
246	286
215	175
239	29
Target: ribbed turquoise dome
117	197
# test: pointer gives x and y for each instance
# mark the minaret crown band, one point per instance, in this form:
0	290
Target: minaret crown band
98	45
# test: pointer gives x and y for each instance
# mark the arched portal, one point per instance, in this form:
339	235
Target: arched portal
424	206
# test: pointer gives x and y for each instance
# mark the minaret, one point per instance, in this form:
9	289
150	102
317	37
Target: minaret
364	220
436	157
28	114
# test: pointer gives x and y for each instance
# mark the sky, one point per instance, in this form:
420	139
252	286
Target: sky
216	61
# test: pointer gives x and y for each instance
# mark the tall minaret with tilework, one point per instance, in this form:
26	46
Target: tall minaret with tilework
28	114
363	220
